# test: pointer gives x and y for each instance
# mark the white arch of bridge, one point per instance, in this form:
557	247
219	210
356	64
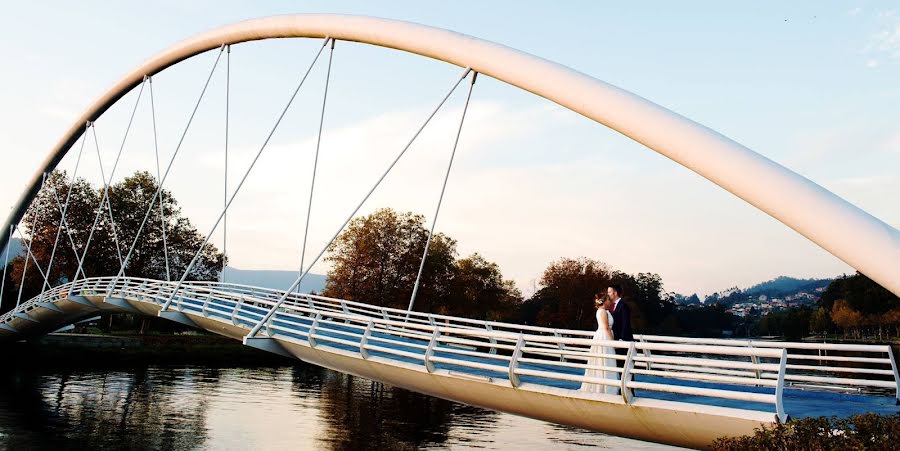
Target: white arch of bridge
856	237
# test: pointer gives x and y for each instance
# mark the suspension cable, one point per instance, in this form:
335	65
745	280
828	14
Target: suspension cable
225	190
112	222
62	215
162	206
284	111
299	279
137	236
312	185
12	228
34	221
437	210
105	198
59	205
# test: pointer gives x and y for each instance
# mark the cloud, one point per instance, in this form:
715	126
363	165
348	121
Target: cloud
872	63
854	11
887	40
878	180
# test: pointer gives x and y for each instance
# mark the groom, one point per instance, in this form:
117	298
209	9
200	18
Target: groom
621	320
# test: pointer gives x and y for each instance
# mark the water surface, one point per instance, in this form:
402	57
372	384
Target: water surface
147	406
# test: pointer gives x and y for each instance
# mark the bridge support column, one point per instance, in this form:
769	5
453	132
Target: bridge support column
81	300
122	304
178	317
26	317
49	306
268	344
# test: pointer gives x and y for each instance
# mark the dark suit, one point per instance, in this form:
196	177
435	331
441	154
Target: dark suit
622	327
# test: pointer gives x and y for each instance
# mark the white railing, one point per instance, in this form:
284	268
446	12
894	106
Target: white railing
525	356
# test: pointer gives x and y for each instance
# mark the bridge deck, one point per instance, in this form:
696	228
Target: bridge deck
799	403
685	393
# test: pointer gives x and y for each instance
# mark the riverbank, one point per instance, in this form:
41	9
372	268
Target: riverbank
113	350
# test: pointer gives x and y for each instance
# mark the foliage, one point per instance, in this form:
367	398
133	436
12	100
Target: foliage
566	297
129	200
478	290
859	307
376	260
860	432
702	321
792	324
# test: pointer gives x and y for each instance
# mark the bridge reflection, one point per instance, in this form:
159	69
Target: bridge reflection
189	407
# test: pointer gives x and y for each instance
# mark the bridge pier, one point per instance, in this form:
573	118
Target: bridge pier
49	306
268	344
178	317
124	305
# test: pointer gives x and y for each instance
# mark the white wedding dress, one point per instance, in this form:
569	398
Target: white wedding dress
595	362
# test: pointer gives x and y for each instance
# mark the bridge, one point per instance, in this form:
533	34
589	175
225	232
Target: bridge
681	391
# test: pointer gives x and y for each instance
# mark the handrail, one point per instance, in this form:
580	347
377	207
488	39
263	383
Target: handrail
556	350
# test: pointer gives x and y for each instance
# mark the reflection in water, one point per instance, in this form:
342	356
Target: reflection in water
281	407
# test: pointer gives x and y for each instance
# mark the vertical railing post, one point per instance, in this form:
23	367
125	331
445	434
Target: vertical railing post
237	308
429	352
647	353
312	330
890	353
140	290
560	345
346	311
205	305
514	361
779	389
491	339
754	359
365	339
626	374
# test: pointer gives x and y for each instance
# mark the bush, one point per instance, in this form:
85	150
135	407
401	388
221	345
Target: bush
860	432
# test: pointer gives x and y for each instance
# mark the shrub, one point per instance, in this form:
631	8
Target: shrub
861	432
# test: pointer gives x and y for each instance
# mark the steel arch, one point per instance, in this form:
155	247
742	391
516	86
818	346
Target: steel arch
856	237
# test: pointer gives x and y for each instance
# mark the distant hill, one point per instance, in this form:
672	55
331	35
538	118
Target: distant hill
783	286
276	280
779	287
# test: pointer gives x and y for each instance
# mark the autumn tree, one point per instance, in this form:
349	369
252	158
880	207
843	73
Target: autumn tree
478	290
376	260
566	296
845	316
129	200
863	307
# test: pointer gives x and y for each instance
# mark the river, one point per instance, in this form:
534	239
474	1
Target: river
149	406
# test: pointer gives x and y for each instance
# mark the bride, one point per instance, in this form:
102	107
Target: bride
604	332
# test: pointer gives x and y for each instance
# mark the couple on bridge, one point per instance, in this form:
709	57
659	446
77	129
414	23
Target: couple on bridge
613	323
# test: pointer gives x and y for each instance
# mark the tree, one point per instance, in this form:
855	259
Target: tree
478	290
845	316
566	297
129	201
568	286
376	260
820	322
861	293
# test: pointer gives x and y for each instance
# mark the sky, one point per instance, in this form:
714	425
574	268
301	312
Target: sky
812	85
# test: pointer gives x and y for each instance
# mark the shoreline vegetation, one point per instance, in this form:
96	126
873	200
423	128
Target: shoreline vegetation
860	432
